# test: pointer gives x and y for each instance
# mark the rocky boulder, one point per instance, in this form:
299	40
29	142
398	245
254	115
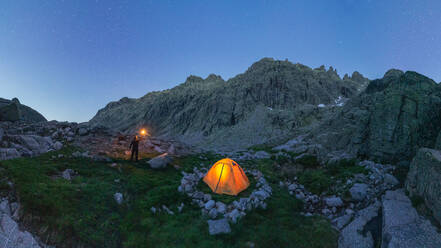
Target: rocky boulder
359	191
218	226
424	179
11	234
161	161
402	226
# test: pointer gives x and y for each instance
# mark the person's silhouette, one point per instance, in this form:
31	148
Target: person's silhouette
134	145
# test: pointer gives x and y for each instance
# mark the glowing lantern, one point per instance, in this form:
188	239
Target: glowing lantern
226	177
143	132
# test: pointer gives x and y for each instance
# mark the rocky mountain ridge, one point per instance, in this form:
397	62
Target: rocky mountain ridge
267	102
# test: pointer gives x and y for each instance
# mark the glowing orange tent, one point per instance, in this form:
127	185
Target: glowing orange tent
226	177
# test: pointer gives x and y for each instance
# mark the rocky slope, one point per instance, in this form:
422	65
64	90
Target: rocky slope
267	102
13	110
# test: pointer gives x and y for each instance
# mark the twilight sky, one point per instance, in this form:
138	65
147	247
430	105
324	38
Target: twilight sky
67	59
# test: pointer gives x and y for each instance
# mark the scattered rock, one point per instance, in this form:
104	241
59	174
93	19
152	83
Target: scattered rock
167	210
160	161
58	145
333	201
212	213
359	191
234	215
180	207
207	197
68	174
391	180
153	209
118	198
221	207
341	221
218	226
210	204
83	131
300	196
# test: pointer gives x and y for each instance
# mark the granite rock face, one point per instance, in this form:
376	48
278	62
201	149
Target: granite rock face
424	179
268	101
388	122
13	110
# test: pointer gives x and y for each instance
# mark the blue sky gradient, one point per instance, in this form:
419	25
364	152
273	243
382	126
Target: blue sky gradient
67	59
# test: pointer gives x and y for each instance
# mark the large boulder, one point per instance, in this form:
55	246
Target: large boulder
34	144
160	161
402	226
424	179
11	234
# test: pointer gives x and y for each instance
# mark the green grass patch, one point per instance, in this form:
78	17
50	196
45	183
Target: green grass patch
324	179
83	212
262	147
345	169
309	161
316	181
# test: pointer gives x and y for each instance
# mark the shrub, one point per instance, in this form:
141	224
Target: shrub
309	161
315	181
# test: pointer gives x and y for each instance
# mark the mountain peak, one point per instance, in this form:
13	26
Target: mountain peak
214	77
393	73
193	79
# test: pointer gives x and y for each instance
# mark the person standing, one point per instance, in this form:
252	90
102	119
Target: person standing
134	146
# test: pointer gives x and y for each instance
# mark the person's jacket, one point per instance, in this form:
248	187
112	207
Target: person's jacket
134	144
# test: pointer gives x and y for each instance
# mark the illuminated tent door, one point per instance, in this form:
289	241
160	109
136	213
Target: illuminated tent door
226	177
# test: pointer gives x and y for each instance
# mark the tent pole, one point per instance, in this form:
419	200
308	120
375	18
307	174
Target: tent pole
222	170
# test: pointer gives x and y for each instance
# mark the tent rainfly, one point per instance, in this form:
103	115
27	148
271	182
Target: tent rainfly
226	177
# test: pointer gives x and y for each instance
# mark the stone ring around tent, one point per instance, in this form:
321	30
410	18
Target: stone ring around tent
226	177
